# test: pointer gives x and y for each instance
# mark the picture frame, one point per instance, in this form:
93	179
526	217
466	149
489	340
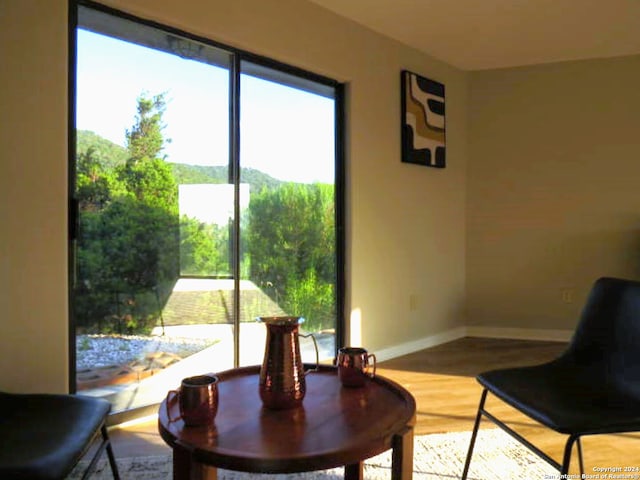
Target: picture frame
423	129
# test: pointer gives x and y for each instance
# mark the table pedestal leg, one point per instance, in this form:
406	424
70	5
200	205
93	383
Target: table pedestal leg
354	471
186	469
402	455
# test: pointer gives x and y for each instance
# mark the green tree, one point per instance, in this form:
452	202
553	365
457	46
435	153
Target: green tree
141	249
147	176
144	245
204	248
314	299
145	139
96	185
290	241
129	237
150	182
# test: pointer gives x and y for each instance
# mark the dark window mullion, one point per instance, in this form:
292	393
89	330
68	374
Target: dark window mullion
340	195
234	169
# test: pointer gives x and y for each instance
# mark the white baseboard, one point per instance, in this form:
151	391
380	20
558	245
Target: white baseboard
420	344
520	333
473	331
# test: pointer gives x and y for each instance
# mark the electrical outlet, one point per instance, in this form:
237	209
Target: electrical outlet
567	294
413	302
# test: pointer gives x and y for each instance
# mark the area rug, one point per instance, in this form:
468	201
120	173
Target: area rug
436	456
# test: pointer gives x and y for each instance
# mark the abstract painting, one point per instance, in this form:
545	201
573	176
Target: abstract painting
423	121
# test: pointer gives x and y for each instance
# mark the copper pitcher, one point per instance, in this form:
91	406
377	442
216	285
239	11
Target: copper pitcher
282	376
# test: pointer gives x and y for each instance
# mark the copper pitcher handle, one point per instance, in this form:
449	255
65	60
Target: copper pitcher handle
315	344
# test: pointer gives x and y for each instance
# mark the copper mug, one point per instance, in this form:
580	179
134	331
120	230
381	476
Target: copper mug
197	400
354	366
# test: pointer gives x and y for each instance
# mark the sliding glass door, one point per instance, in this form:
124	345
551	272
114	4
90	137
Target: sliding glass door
204	192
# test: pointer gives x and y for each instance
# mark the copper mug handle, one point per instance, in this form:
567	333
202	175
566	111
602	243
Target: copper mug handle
371	355
176	395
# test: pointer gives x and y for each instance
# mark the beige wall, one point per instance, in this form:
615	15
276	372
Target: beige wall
553	189
33	189
406	224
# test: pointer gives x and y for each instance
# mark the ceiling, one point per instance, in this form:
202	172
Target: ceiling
485	34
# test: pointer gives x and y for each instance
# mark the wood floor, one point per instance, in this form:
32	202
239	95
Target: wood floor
442	381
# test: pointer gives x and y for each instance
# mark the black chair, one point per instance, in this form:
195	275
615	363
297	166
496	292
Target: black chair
44	436
592	388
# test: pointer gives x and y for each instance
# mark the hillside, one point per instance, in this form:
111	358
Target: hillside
108	153
111	155
188	174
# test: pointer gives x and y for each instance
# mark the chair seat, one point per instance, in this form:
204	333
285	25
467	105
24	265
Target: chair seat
44	436
567	399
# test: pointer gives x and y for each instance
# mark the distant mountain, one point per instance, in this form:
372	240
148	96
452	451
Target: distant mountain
189	174
110	154
258	179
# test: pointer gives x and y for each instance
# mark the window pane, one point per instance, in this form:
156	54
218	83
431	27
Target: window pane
288	163
153	296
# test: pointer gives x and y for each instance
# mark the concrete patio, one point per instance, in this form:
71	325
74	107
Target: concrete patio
200	309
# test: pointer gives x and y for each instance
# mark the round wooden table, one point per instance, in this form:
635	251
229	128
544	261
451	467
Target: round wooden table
335	426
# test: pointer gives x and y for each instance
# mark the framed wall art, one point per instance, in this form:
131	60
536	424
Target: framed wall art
423	121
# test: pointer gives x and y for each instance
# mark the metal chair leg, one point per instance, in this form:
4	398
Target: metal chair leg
579	444
476	425
110	455
105	444
567	454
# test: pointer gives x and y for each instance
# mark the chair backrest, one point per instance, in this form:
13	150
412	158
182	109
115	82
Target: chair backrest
607	339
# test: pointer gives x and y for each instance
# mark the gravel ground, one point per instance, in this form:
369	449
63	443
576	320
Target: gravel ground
104	350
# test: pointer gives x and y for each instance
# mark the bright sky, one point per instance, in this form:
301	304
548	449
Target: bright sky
285	132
